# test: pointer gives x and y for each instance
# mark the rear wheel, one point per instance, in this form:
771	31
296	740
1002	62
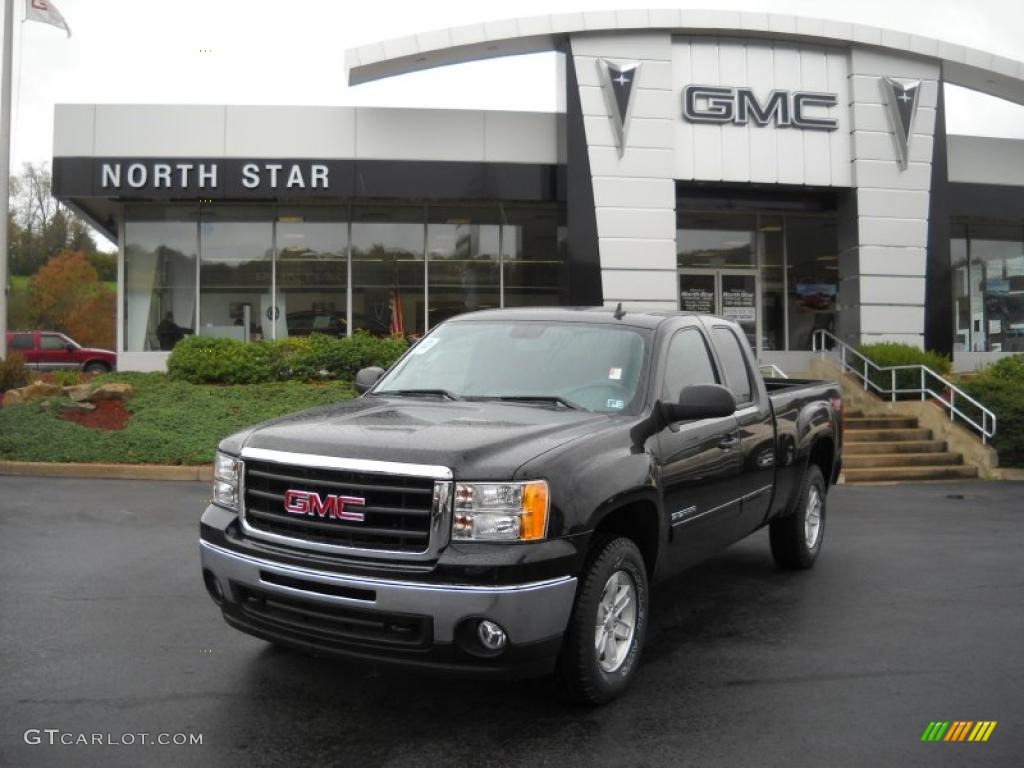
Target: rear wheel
96	367
608	624
796	538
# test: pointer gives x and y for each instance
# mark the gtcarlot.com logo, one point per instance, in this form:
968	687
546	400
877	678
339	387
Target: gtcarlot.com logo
958	730
55	737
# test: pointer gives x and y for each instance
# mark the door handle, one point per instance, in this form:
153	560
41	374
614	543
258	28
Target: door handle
729	442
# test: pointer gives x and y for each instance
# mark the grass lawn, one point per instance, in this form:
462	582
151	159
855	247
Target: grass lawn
172	422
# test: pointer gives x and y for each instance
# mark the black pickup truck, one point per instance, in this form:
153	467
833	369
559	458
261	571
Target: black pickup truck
501	499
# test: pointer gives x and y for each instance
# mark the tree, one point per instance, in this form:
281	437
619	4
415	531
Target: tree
45	227
67	296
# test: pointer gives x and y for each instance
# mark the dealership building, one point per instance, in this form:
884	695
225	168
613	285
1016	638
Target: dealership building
792	174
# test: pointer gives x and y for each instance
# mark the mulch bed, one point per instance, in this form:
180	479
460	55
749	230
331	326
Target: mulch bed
109	414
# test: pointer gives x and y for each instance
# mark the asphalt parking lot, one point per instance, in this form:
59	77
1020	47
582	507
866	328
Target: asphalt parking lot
914	613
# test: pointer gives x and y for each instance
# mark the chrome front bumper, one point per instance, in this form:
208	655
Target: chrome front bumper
529	613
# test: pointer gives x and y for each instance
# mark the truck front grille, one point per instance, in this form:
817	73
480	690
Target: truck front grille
400	515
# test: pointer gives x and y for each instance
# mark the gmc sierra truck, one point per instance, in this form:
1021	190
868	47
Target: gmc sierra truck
502	498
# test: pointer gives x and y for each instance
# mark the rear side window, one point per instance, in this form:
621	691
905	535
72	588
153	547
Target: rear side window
51	342
737	374
689	362
21	341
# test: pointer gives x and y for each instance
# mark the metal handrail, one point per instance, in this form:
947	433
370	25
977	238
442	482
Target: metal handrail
773	369
859	365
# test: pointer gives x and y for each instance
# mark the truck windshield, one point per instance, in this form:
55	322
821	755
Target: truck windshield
593	367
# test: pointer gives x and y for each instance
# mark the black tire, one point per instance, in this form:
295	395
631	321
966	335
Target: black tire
95	367
789	535
579	675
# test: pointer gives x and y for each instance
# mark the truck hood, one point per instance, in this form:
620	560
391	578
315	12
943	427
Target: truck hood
476	440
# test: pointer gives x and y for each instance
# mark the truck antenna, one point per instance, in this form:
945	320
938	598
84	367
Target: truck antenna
619	312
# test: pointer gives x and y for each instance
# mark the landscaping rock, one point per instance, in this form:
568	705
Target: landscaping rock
34	391
115	390
78	392
74	407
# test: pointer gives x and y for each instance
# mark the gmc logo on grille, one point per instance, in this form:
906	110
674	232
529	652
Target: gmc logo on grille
333	506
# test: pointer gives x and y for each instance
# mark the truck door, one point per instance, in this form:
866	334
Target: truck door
53	353
756	431
700	461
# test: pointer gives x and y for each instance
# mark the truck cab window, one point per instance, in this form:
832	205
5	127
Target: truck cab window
688	362
21	341
737	374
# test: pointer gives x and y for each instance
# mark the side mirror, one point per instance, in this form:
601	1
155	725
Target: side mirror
700	401
367	377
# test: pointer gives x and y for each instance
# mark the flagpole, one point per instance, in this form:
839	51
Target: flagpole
5	167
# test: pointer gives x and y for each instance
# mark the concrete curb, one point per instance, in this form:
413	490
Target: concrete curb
108	471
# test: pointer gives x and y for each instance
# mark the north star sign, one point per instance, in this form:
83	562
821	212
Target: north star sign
717	105
182	174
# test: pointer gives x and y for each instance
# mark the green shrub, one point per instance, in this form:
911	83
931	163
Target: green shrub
13	372
65	378
887	354
1000	388
203	360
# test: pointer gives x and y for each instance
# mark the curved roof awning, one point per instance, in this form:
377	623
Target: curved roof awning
969	67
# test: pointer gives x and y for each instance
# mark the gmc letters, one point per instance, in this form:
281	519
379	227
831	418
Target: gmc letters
718	105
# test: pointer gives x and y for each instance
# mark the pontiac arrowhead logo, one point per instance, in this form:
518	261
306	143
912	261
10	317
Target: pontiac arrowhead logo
901	102
618	81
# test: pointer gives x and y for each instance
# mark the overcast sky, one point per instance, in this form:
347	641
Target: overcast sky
292	52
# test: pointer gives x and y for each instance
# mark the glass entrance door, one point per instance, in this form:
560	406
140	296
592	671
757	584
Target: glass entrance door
730	293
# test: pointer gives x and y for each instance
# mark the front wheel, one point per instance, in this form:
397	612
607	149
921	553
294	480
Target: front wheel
796	538
96	368
608	624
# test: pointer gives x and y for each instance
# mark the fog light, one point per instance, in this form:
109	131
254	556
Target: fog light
213	587
491	635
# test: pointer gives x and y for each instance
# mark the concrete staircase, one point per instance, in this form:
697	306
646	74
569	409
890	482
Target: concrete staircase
893	448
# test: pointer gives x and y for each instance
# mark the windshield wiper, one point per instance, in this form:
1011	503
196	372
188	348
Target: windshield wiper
414	392
553	399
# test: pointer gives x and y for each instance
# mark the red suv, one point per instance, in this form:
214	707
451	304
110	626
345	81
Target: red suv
50	351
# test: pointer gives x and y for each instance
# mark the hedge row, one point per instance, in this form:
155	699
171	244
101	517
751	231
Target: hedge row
889	354
1000	387
206	360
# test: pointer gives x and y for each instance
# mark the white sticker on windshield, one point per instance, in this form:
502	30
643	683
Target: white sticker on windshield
425	345
615	374
617	404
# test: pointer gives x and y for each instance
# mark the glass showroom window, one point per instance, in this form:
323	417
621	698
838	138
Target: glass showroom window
236	271
773	282
716	240
388	270
533	257
312	271
988	286
812	272
463	262
160	247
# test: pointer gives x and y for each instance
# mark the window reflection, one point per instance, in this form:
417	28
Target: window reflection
988	287
159	277
312	271
236	260
388	270
462	250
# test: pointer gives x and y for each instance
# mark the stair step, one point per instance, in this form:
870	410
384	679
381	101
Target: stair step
881	422
935	459
904	446
890	474
877	435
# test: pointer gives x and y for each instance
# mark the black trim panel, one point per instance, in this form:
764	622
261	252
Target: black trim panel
77	178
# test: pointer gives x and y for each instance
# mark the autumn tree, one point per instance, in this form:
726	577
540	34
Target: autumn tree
68	296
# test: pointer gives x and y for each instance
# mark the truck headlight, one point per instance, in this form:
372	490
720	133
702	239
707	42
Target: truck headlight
501	511
226	470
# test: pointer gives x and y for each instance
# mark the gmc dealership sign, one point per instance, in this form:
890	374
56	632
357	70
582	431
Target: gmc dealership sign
741	106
